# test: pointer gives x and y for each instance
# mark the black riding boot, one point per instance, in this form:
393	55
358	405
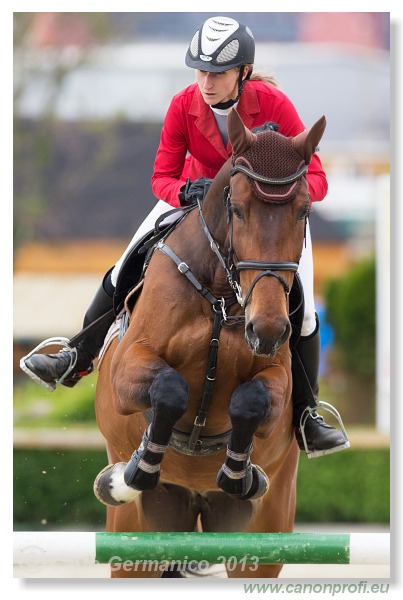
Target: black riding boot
49	369
320	438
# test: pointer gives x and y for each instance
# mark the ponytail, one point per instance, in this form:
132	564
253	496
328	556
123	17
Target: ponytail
266	78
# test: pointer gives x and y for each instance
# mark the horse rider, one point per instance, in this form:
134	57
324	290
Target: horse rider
193	147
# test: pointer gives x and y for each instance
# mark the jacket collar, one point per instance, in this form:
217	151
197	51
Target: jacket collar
248	106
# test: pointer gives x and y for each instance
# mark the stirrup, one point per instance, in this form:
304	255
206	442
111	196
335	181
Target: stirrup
62	341
307	412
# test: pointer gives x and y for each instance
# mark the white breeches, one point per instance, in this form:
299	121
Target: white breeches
305	266
305	271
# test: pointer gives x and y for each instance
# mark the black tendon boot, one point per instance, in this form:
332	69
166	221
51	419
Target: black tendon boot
312	433
70	364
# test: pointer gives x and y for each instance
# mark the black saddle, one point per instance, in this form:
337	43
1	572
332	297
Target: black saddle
296	309
137	259
131	272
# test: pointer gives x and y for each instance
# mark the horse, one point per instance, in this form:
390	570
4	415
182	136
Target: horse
194	399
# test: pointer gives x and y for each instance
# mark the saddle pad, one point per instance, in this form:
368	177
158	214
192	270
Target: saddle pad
113	332
119	326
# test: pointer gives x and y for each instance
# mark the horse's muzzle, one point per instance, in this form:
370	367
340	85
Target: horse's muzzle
264	340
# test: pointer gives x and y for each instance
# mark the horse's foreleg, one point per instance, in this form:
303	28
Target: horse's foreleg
166	392
169	397
249	405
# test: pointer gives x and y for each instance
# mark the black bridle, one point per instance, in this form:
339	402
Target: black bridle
268	269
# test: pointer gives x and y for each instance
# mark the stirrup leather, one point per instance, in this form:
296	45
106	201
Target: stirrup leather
307	412
61	341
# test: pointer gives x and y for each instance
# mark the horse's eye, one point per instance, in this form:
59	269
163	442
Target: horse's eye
305	213
238	213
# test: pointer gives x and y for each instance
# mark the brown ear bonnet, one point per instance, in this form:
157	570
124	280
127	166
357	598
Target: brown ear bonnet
272	156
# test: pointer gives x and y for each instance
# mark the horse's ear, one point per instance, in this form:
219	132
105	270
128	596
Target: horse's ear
241	137
306	142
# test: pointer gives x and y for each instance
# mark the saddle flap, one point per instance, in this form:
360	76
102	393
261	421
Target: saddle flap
130	273
296	309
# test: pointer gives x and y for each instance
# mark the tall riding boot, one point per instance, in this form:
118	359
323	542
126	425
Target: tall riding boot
312	433
73	362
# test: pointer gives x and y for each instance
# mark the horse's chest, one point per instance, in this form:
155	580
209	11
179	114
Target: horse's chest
195	343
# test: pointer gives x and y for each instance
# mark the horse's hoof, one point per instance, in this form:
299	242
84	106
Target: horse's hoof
110	487
260	484
254	485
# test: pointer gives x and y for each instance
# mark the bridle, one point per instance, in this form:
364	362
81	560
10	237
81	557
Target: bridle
267	269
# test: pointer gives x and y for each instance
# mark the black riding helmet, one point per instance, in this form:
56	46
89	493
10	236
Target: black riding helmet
220	44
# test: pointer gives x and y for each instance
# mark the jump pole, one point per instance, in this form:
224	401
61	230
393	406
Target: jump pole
86	548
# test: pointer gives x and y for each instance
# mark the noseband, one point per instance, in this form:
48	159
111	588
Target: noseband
268	269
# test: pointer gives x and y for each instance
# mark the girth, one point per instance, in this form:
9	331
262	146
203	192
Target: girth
205	444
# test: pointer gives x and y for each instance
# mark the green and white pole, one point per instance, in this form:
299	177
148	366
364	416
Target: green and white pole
82	548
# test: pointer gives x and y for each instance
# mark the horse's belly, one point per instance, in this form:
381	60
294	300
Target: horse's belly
198	473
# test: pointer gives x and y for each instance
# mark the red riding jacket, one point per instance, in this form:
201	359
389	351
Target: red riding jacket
191	144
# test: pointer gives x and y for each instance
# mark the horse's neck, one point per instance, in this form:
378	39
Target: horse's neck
194	240
214	210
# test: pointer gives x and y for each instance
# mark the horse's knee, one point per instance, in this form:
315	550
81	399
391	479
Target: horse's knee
250	402
169	394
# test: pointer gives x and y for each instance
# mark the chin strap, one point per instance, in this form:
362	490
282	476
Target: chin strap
229	103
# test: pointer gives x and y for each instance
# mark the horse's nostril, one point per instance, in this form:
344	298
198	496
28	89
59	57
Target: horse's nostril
287	331
263	342
249	330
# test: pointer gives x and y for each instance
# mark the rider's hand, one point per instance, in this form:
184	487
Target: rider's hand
268	126
193	191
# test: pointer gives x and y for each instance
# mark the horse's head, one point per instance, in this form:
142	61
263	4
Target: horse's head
268	206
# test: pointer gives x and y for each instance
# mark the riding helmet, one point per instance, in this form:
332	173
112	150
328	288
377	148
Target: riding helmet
220	44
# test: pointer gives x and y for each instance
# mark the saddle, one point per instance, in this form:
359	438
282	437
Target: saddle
136	262
132	272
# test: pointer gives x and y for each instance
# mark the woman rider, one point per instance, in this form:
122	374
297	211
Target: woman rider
193	147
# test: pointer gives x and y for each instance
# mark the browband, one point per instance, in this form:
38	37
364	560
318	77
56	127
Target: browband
270	180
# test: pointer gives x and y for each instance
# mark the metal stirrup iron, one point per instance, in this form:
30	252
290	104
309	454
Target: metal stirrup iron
307	412
60	341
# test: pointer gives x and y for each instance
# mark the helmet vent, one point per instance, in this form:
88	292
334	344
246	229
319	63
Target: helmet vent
229	52
222	27
194	44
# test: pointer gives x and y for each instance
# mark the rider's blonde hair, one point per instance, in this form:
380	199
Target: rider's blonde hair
261	77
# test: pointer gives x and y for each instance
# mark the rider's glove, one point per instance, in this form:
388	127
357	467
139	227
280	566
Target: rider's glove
268	126
193	191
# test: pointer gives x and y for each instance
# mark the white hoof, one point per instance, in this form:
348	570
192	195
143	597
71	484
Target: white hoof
110	487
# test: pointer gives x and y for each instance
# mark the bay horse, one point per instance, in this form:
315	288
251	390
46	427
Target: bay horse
194	401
